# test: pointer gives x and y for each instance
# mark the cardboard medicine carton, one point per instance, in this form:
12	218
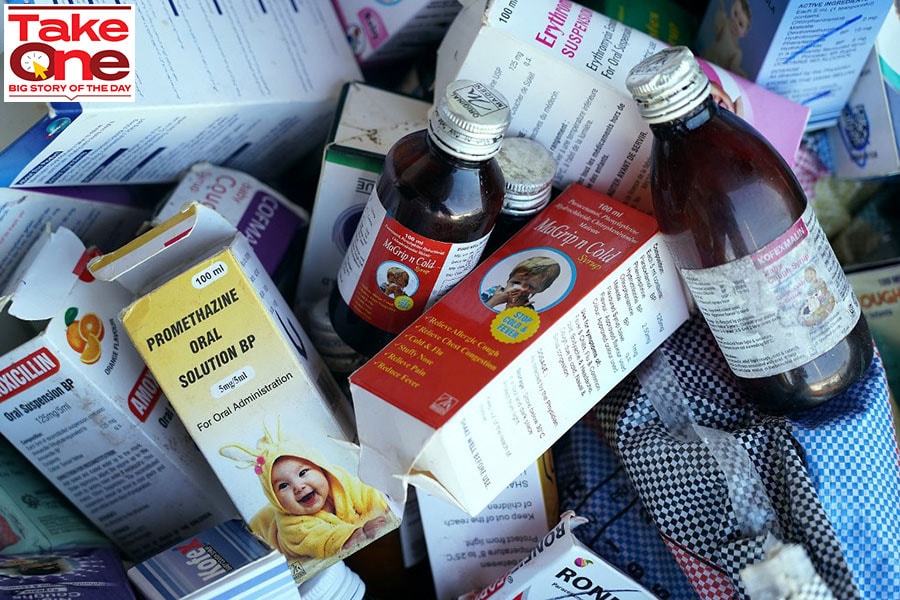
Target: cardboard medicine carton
274	225
809	52
485	381
383	32
34	515
79	403
249	385
865	143
105	217
561	566
241	85
473	551
562	66
222	563
368	121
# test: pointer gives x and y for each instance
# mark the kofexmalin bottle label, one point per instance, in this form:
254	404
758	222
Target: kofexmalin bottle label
391	274
779	307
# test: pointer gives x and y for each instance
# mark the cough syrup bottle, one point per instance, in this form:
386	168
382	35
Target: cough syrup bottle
427	221
747	243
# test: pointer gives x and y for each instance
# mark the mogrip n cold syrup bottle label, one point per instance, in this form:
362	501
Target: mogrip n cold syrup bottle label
391	274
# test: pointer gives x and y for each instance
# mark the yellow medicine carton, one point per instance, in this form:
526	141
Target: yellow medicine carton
251	389
78	402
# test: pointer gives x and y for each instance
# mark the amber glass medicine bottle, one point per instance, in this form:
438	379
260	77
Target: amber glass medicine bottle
747	243
427	222
528	170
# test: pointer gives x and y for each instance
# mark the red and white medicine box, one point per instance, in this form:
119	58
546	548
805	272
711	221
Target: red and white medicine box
485	381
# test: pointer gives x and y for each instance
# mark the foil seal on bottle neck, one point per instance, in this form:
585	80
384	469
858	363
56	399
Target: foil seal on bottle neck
469	120
667	85
528	170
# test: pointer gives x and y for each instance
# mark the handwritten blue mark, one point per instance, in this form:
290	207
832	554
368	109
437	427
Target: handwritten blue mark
816	97
822	37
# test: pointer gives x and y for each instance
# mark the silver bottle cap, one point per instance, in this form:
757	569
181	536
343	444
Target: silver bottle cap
668	84
469	120
528	169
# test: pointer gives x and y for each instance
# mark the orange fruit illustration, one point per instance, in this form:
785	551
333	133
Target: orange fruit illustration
73	336
91	325
91	352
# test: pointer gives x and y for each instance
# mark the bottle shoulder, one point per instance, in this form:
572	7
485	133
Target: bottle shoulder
437	195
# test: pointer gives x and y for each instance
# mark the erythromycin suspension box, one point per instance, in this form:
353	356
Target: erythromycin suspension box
249	386
562	67
240	84
485	381
79	403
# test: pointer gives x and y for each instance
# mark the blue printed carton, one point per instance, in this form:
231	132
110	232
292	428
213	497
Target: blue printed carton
866	141
809	52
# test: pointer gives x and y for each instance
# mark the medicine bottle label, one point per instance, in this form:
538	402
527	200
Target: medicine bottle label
779	307
391	274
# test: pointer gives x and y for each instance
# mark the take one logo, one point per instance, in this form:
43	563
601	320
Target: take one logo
56	53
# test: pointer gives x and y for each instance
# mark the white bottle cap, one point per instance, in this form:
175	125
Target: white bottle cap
528	169
469	120
337	582
668	84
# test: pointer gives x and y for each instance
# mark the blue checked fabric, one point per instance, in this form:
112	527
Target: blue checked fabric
829	481
592	482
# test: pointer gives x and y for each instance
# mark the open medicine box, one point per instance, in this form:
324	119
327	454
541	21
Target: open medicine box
250	387
473	392
80	404
562	67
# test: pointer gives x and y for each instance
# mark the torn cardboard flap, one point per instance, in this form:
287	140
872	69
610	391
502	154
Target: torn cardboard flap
391	467
44	278
186	237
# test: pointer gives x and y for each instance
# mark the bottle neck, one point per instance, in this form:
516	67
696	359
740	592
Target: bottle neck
445	152
694	119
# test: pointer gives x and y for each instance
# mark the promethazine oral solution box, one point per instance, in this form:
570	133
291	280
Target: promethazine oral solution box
249	386
485	381
367	122
562	67
79	403
243	85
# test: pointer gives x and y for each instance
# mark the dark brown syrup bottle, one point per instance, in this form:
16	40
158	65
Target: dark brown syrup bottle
748	244
427	221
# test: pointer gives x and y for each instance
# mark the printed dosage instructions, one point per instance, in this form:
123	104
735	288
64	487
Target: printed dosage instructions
219	362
